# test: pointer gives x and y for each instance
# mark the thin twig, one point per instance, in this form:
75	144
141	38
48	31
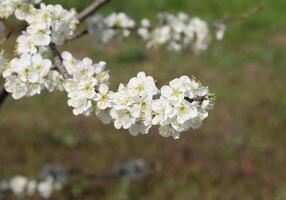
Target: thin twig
228	19
200	99
58	60
91	9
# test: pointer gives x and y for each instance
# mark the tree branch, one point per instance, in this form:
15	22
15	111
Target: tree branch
3	95
97	4
200	99
58	61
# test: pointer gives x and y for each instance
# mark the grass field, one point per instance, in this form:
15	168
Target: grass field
239	153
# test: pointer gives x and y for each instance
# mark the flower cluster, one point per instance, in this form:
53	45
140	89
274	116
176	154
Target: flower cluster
183	105
29	75
104	29
48	24
22	186
17	7
131	104
87	87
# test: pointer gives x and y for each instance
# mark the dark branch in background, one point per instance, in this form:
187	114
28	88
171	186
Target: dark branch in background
136	169
91	9
94	177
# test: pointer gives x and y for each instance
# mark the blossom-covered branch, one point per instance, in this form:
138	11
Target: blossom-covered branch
174	31
137	105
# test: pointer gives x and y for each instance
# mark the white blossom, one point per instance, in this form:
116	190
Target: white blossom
26	44
104	29
102	97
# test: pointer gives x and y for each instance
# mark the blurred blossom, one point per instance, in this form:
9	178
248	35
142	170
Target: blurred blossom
219	28
45	187
106	28
18	184
58	172
31	187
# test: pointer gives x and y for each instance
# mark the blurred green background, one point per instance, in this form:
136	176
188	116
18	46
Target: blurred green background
239	153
